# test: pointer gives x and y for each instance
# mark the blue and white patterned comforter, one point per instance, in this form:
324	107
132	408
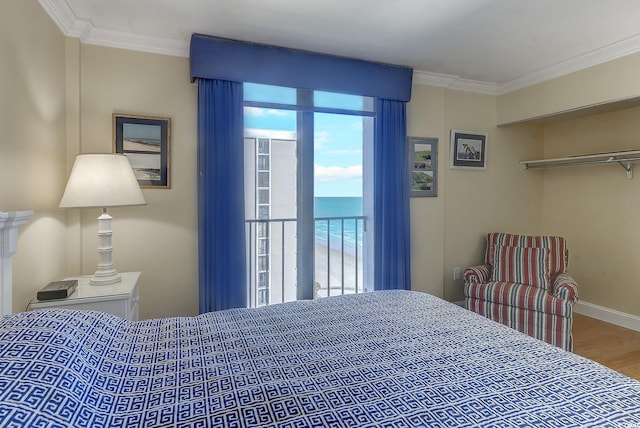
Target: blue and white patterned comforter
397	358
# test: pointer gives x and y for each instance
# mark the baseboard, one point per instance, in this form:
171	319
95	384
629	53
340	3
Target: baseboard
608	315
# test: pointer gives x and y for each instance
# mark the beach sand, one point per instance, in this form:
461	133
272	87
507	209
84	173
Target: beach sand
335	263
140	146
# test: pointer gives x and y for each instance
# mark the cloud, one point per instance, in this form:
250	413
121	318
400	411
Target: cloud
320	138
333	173
254	111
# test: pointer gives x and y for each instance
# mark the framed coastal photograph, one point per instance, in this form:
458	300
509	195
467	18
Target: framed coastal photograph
468	150
423	166
146	141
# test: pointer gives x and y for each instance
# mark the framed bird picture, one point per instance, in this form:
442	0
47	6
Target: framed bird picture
468	150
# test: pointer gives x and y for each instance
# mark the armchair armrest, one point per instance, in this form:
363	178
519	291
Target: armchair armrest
564	287
477	274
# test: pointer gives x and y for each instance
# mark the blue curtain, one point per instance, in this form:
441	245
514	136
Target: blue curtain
392	267
216	63
221	240
225	59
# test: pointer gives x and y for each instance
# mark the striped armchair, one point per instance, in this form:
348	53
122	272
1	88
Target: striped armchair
524	284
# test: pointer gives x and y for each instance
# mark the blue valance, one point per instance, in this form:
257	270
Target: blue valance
225	59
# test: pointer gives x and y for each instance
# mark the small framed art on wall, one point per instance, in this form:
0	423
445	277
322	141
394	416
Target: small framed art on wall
423	166
468	150
146	141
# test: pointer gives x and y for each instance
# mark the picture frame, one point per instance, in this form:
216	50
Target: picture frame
468	150
423	166
146	141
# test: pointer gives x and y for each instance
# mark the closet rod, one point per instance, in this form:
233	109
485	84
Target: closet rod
530	165
624	159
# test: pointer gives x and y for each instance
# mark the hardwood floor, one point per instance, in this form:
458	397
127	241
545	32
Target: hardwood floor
610	345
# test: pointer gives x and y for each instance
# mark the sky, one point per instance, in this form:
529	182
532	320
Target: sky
337	147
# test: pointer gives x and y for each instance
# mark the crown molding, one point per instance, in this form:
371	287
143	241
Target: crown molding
599	56
138	42
72	26
64	18
454	82
433	79
476	86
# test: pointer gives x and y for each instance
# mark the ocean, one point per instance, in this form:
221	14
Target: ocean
339	207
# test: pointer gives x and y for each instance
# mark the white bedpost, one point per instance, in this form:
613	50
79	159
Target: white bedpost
9	223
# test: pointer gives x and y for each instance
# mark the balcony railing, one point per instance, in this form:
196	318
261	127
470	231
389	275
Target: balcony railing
272	262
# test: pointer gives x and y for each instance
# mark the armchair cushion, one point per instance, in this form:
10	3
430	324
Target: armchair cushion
558	254
522	265
513	295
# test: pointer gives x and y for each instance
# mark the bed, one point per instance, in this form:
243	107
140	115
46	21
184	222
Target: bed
380	359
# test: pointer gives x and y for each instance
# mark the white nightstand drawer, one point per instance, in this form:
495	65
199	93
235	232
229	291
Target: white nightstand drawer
119	299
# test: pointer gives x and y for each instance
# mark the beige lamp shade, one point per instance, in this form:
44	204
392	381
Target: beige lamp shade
100	181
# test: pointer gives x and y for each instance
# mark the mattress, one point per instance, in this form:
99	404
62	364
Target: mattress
380	359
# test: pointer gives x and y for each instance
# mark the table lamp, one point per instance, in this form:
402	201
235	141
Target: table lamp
100	181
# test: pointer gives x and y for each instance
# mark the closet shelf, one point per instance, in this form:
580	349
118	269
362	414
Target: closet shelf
624	159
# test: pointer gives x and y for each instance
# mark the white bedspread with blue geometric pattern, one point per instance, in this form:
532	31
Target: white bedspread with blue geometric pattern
382	359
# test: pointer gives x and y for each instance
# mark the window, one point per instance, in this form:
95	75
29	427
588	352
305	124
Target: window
263	246
263	163
308	157
263	280
263	179
391	85
263	263
263	196
263	296
263	230
263	145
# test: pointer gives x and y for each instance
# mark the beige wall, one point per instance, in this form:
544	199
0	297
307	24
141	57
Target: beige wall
426	118
448	231
159	239
596	207
605	83
58	96
32	144
500	198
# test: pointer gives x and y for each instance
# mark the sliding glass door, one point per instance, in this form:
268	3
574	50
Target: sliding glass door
307	191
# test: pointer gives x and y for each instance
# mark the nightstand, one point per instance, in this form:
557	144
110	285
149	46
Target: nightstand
118	299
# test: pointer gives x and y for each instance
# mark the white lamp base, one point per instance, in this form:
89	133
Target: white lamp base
106	273
97	279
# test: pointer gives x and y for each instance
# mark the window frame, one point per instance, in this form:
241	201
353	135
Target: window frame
305	110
